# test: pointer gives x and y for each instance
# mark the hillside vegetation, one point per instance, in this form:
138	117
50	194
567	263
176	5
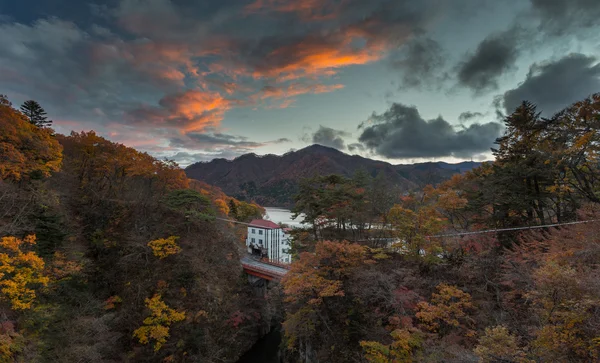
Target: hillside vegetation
273	180
109	255
434	295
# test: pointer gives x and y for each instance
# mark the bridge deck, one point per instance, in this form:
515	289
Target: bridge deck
263	270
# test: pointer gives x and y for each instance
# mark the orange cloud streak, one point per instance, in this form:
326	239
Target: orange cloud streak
201	109
296	89
316	57
191	110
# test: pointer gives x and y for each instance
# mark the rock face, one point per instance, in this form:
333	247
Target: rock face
272	180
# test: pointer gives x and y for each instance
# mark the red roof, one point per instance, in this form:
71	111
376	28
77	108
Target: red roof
263	223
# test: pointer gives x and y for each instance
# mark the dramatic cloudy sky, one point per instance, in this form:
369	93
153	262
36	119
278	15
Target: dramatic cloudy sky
398	80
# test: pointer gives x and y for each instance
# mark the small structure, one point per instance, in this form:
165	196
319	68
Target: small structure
269	240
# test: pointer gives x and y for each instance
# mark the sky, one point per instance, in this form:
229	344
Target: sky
396	80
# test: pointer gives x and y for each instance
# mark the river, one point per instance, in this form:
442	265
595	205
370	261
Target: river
266	349
280	215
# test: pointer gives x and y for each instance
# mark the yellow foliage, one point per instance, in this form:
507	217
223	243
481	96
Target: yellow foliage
314	279
62	268
165	247
447	307
18	271
310	278
565	307
156	326
498	344
222	206
413	227
405	343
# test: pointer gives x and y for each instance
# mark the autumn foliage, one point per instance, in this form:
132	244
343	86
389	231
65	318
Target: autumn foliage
156	325
26	151
21	270
464	279
108	254
90	286
164	247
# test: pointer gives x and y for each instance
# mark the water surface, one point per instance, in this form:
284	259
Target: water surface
265	350
280	215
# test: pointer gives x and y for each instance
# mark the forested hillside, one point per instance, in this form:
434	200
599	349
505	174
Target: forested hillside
464	280
273	180
109	255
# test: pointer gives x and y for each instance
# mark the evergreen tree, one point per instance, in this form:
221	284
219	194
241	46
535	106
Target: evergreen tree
35	113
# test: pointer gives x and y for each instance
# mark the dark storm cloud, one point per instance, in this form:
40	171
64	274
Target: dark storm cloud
179	64
401	132
74	75
211	142
468	115
421	62
194	140
327	136
356	32
184	158
495	55
356	147
554	85
559	17
79	12
210	145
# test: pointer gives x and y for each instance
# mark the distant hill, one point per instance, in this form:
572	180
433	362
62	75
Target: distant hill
272	180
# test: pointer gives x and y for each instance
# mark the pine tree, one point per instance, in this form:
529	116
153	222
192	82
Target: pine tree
35	113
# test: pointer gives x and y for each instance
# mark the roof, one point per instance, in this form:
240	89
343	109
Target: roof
263	223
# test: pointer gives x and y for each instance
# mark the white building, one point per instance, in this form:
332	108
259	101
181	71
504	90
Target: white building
269	240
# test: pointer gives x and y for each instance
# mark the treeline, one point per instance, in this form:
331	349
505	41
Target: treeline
512	296
108	255
337	207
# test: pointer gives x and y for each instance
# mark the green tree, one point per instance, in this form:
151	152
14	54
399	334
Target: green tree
35	113
573	138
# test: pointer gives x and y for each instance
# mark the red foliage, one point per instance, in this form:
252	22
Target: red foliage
236	319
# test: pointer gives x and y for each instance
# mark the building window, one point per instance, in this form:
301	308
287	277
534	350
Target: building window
253	230
260	242
253	240
260	231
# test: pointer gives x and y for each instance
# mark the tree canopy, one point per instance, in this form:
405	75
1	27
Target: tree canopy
26	151
35	114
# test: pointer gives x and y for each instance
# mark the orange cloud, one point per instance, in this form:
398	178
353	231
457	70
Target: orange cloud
296	89
227	66
316	56
192	110
286	103
202	109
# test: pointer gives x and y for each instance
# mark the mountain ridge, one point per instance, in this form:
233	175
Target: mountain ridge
273	179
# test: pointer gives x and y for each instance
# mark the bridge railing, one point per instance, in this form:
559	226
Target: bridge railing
263	271
278	264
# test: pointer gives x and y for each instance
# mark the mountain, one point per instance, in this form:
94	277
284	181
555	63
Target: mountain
272	180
